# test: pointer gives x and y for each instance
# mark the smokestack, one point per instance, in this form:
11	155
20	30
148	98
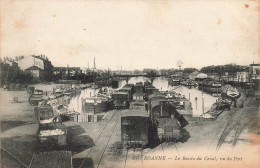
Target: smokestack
94	63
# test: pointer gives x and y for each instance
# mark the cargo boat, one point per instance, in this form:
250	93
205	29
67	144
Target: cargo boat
217	108
212	87
44	114
174	81
96	105
36	97
229	92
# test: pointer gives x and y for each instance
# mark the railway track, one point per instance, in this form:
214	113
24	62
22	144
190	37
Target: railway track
136	153
14	158
231	125
116	117
170	144
107	143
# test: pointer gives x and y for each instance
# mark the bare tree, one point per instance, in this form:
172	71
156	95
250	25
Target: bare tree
179	64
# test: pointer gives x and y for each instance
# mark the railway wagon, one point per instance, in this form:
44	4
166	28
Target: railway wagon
134	128
169	130
120	100
166	110
115	84
150	90
163	110
138	105
138	96
128	90
130	85
139	88
155	99
52	136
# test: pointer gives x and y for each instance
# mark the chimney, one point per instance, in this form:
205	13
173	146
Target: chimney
94	63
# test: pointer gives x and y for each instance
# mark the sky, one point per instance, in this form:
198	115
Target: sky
133	34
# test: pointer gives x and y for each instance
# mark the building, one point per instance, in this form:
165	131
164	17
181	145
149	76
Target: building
242	77
254	71
254	75
38	66
9	71
66	73
47	67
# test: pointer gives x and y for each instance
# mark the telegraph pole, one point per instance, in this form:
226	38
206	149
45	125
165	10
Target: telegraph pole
202	106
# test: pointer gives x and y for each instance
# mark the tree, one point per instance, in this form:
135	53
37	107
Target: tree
189	70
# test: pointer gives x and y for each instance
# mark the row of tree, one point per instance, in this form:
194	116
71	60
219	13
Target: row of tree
218	69
221	69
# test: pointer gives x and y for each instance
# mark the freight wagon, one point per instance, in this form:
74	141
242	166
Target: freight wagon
115	84
149	90
120	100
52	136
169	122
127	90
138	96
138	105
166	110
139	88
155	99
134	128
169	130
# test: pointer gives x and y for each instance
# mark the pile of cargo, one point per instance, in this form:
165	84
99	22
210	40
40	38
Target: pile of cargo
52	135
217	108
51	132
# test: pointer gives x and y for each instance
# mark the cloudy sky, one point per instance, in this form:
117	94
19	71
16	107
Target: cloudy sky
132	34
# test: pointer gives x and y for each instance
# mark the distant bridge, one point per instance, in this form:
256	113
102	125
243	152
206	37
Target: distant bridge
128	76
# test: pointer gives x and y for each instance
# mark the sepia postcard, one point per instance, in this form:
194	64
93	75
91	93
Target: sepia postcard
129	83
